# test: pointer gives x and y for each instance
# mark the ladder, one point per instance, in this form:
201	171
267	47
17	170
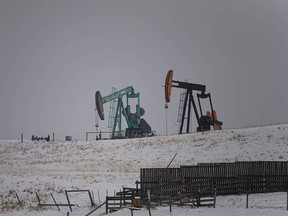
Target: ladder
181	106
111	118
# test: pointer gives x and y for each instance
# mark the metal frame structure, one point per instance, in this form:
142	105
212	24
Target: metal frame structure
204	122
134	122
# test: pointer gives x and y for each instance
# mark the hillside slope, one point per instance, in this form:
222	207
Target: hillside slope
259	143
52	167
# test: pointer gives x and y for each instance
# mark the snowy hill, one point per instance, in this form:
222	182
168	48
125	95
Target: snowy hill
107	165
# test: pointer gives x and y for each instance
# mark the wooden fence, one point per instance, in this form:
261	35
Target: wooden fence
225	178
122	198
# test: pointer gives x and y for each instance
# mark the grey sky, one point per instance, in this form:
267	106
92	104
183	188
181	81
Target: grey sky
54	56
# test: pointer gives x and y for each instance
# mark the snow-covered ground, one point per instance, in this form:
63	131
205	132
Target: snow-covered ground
106	166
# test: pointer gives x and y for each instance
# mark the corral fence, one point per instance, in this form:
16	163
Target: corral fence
209	179
126	197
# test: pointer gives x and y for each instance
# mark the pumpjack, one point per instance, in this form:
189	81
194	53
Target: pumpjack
204	121
136	126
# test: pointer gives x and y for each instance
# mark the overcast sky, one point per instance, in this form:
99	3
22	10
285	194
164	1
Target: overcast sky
54	56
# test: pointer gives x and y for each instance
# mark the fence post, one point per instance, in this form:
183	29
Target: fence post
91	199
21	137
68	200
149	210
99	197
287	200
19	202
55	201
131	212
287	194
149	202
247	195
215	195
107	203
247	199
121	203
170	204
38	198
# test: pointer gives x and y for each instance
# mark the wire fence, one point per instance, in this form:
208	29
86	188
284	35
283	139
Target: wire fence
50	136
